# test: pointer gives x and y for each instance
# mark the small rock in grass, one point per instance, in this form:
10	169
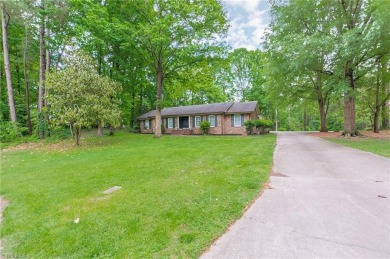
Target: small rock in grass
112	189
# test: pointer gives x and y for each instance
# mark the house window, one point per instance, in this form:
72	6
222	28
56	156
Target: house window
237	120
212	120
197	121
147	124
184	122
170	123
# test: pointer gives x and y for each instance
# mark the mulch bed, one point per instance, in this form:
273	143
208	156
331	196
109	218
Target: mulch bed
384	135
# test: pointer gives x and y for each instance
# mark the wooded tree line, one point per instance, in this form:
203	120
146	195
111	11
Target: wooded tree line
322	62
335	53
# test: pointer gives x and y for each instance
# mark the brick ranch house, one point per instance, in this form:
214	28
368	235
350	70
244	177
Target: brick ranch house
225	118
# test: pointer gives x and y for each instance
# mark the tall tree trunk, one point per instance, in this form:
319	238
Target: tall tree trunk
132	109
304	119
349	103
276	120
321	100
160	78
47	54
377	103
11	102
42	66
322	108
385	116
385	92
27	83
349	116
100	61
42	63
17	70
47	69
141	96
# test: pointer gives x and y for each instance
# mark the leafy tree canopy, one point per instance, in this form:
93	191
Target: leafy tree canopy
80	97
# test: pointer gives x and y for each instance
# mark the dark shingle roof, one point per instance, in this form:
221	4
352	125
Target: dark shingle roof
246	107
213	108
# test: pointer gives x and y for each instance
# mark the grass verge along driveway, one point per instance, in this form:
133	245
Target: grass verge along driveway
377	143
376	146
177	195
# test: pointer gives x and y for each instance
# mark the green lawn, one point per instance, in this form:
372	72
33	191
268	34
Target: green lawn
377	146
178	194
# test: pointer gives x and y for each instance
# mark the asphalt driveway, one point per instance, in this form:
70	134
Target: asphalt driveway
326	201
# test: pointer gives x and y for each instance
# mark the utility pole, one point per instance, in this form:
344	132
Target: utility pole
276	119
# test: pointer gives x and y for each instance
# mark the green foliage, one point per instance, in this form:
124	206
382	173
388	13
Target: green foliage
261	125
335	124
302	65
170	36
205	127
80	97
9	132
42	123
321	51
175	199
249	124
193	85
241	77
266	124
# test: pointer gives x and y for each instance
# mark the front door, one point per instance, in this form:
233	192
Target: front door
184	122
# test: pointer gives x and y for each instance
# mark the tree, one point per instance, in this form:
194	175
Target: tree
26	78
171	35
357	42
300	49
193	85
11	102
79	97
382	62
42	68
239	73
330	46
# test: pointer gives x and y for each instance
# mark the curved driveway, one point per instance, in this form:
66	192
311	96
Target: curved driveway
326	201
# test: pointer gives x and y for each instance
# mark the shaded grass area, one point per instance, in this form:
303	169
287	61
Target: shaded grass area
377	146
178	194
54	137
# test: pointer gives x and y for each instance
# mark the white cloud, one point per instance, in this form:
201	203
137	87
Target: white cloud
248	20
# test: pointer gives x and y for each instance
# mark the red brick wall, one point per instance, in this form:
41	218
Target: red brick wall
223	125
142	126
229	130
197	131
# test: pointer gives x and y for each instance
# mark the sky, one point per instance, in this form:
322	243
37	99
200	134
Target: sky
248	21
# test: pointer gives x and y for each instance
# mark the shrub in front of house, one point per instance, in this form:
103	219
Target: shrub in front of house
249	125
204	127
264	125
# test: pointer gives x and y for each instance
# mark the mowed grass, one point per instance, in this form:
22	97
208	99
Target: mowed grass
377	146
178	194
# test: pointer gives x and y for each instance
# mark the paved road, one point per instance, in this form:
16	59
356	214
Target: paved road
326	205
